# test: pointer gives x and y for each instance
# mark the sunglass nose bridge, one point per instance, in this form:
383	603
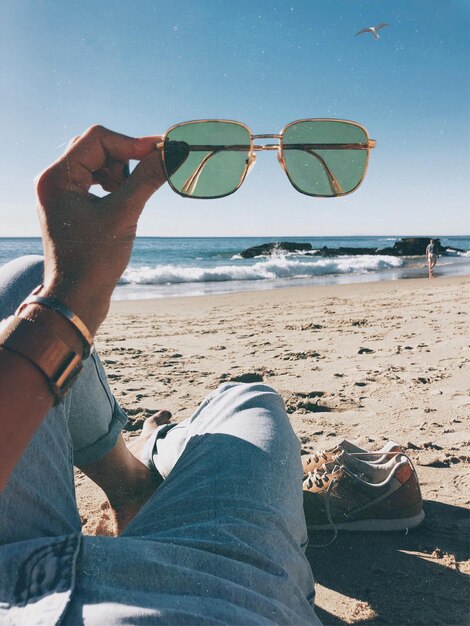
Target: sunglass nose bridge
269	146
268	136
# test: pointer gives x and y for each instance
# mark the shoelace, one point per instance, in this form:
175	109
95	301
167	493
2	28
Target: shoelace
321	477
317	477
320	454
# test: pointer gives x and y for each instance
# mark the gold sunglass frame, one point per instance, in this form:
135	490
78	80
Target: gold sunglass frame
279	147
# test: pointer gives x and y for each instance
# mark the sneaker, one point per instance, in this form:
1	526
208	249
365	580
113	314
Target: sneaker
313	461
381	499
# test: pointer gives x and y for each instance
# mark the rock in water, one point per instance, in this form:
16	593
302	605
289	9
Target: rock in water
412	246
408	246
277	246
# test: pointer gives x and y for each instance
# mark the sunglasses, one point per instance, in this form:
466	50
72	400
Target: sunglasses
324	158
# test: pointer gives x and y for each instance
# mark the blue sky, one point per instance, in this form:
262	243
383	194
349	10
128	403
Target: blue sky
139	67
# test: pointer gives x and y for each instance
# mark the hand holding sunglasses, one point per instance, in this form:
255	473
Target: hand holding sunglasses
323	158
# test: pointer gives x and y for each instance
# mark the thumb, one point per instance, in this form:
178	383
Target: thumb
147	177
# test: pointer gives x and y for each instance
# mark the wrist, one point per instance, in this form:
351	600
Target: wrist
55	324
90	306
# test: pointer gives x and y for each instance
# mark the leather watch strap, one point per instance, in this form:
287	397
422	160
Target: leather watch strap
52	356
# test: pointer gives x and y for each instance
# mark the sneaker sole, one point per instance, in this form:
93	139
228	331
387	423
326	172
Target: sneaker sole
375	525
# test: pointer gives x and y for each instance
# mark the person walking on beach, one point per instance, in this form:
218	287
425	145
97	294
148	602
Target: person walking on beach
431	256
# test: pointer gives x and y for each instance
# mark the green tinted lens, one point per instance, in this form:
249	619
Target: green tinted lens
325	158
206	159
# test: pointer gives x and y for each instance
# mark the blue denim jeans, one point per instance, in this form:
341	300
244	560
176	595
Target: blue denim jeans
221	541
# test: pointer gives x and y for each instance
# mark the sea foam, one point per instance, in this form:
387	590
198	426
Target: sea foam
267	269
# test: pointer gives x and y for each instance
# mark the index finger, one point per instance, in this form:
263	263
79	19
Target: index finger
99	143
92	151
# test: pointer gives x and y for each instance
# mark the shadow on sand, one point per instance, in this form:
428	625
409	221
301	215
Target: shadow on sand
402	578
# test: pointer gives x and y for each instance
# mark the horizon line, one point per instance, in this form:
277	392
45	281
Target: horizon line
432	236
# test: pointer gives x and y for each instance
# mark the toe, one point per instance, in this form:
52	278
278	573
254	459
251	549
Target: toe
158	418
162	417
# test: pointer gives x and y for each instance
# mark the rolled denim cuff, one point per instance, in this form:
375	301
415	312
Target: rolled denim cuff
146	456
104	444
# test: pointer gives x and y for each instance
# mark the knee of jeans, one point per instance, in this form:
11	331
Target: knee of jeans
244	389
254	396
17	279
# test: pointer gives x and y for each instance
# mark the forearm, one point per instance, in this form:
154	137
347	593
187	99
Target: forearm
25	391
26	399
87	244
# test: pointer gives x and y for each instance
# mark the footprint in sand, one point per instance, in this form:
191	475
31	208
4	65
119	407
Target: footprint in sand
298	356
307	402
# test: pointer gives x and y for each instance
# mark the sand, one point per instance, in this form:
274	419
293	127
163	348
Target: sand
366	362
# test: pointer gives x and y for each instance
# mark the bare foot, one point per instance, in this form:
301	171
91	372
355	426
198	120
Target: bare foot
126	481
150	425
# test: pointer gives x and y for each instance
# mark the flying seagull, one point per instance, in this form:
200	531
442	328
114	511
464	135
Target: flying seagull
373	29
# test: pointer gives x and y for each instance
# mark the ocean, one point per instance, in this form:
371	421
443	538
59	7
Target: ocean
164	266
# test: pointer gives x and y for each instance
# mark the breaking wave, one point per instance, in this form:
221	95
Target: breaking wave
269	269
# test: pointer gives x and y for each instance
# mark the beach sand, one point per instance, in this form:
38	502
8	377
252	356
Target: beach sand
365	362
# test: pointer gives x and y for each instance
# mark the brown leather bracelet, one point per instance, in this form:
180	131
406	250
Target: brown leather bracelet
61	309
50	355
